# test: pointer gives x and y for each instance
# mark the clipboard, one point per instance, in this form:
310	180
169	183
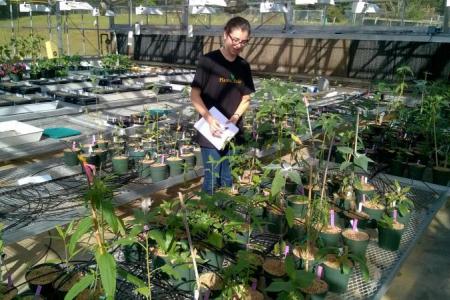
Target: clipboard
228	133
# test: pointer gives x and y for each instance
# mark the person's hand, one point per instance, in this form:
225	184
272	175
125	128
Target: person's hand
215	127
234	119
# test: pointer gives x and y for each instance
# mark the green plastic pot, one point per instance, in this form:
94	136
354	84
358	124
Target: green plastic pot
276	221
330	238
175	166
441	175
71	157
356	246
7	292
366	189
102	144
416	171
44	275
337	280
159	172
299	204
374	214
389	238
120	164
296	233
144	168
136	155
189	160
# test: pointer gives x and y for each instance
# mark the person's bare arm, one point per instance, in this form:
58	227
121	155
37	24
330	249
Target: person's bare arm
242	108
197	101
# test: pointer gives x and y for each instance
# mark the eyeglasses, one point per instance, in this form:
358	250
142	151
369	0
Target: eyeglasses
237	41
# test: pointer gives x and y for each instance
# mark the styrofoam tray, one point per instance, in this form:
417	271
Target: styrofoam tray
17	133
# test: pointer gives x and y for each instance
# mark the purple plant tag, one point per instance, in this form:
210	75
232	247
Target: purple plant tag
10	281
207	293
395	215
254	284
74	145
286	251
354	224
162	158
332	217
300	190
38	290
319	272
93	139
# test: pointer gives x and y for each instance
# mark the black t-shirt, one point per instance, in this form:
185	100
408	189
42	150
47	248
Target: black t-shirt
222	84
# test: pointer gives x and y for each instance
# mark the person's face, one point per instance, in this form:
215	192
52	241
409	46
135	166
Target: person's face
235	41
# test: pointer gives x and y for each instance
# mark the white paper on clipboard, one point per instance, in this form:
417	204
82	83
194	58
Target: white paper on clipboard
230	130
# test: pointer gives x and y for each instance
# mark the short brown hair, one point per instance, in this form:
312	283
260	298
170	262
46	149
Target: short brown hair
237	22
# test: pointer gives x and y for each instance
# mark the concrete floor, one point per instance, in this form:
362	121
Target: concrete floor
425	273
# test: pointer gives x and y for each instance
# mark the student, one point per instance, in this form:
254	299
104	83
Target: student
223	79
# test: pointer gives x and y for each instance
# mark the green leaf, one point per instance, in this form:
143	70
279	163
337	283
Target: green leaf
304	279
60	232
144	291
110	216
344	165
295	177
279	286
290	266
83	227
157	235
362	161
345	150
108	272
169	270
215	239
124	242
278	183
290	216
80	286
131	278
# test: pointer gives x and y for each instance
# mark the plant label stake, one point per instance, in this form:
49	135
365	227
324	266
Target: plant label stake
395	215
364	198
254	284
319	272
286	251
360	206
162	158
305	100
38	291
74	145
10	281
332	218
191	247
207	293
93	139
354	223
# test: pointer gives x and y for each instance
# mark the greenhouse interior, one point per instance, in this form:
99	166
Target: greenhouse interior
220	149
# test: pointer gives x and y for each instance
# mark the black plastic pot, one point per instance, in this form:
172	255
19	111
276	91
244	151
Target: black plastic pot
441	175
397	167
415	171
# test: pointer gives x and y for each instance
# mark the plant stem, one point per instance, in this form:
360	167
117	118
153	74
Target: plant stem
147	259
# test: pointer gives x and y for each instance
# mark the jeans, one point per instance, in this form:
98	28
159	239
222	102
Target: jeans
215	174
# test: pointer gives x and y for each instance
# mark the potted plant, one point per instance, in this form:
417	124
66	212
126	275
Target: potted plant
390	232
398	198
374	208
338	266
